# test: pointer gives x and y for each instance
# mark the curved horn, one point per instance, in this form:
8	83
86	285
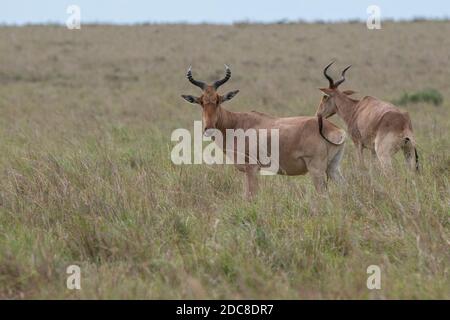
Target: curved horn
199	84
320	120
343	77
330	80
218	83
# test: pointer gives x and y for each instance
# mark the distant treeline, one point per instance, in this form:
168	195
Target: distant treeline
238	22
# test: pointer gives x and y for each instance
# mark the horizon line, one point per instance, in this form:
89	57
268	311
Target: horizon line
236	22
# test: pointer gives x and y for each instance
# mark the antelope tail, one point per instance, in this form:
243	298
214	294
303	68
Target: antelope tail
416	154
417	159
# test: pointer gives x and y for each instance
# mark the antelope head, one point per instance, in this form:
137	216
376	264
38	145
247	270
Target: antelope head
210	100
327	106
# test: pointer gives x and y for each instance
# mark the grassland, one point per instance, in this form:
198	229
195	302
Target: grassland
86	176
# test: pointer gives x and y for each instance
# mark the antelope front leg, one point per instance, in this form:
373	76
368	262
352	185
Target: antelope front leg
251	182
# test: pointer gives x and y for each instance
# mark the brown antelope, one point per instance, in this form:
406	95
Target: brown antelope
302	147
371	123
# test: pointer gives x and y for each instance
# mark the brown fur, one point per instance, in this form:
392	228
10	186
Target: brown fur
372	124
302	149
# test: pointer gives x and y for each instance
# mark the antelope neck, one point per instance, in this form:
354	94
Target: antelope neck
346	108
226	120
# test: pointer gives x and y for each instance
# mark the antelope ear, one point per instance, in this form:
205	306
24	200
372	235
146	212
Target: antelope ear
228	96
348	92
327	91
191	99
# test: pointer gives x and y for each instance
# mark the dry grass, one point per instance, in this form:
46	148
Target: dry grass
86	176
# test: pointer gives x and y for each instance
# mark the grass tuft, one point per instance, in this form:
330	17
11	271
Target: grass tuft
431	96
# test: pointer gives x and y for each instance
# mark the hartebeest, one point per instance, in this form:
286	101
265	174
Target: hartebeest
302	147
371	123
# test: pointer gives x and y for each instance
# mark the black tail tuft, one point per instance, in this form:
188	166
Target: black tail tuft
408	140
417	159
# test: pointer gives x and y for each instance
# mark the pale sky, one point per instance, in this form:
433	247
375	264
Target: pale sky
215	11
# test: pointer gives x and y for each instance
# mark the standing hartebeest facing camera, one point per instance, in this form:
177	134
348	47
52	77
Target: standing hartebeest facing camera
302	147
371	123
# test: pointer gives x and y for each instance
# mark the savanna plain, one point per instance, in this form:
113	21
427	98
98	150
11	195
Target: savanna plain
86	177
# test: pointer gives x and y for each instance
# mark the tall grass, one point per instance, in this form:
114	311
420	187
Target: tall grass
86	176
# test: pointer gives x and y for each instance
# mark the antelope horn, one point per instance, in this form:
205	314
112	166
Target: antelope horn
330	80
199	84
343	77
218	83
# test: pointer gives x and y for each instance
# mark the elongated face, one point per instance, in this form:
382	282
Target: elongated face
327	105
210	101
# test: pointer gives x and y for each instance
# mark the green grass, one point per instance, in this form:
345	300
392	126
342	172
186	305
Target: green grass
431	96
86	176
